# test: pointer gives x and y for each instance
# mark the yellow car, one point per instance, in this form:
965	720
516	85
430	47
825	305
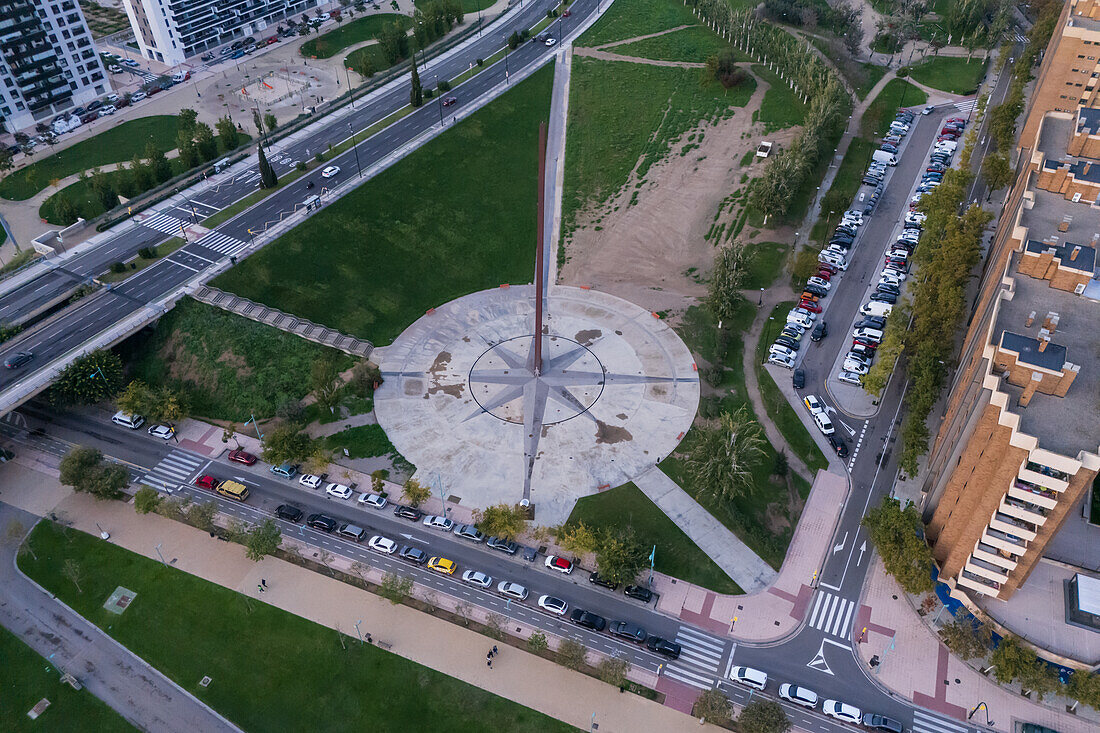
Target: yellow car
442	565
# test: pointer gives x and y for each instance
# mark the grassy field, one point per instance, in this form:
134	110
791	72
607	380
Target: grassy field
630	18
378	60
114	145
950	74
228	366
781	107
848	179
28	678
624	117
879	114
694	44
627	507
271	671
364	441
403	242
348	34
871	76
765	265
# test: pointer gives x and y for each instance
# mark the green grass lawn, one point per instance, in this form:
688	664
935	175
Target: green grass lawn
624	116
627	507
348	34
848	179
378	60
879	114
630	18
28	678
456	216
228	366
765	264
950	74
871	76
363	441
271	670
694	44
781	107
114	145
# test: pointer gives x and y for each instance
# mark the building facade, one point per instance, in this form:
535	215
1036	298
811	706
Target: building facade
171	31
48	63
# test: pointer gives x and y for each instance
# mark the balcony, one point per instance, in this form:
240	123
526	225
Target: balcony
987	570
1043	476
979	584
1024	510
990	554
1010	525
1033	494
1004	541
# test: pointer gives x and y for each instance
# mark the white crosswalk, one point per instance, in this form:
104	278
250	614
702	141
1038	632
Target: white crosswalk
1019	37
163	223
175	468
222	243
832	614
927	723
966	105
700	657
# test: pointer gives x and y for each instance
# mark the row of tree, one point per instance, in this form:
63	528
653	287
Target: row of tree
842	18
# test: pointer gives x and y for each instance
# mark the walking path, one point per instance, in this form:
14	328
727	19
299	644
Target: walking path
138	692
608	56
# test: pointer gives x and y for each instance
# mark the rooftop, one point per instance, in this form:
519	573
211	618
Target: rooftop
1050	211
1088	120
1085	261
1054	136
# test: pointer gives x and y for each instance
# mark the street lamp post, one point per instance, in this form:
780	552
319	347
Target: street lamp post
440	105
355	149
347	75
506	46
357	631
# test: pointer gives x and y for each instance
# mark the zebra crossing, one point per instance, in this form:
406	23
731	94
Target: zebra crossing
833	615
221	243
700	657
966	105
164	223
174	469
1019	37
927	723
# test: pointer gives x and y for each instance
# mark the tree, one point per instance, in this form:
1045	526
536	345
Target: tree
285	444
202	515
1084	687
414	493
395	588
263	540
268	179
227	133
578	539
146	500
158	164
393	42
723	68
996	172
64	211
620	557
572	654
763	716
188	151
89	379
159	405
136	398
324	382
965	640
722	458
613	670
84	470
726	280
537	642
501	520
103	189
270	122
258	122
205	141
898	536
416	94
1013	661
712	706
71	570
6	163
185	121
363	67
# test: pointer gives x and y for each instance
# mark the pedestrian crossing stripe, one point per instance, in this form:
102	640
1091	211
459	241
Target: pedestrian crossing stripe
163	223
223	244
966	105
832	614
175	468
688	678
926	723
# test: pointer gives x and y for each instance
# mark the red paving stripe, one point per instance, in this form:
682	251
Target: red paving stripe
863	618
197	447
939	702
678	696
703	619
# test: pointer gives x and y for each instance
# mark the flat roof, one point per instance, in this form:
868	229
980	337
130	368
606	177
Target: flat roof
1088	120
1085	261
1054	136
1028	351
1088	593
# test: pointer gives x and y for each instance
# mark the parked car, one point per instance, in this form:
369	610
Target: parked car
288	512
478	578
207	482
556	606
798	378
839	445
340	491
787	362
321	522
414	555
499	543
638	593
469	532
813	404
137	96
310	481
588	620
749	677
850	378
881	722
627	630
555	562
240	456
595	579
803	696
842	711
442	565
408	512
375	501
164	432
664	647
436	522
824	424
286	470
512	590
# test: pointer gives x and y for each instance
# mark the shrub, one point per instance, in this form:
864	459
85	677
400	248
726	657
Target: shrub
118	267
444	86
147	253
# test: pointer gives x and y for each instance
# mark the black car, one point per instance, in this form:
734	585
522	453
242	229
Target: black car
798	378
408	512
595	579
821	330
645	595
206	57
506	546
18	359
838	444
587	619
871	322
663	647
884	297
627	630
788	342
881	722
530	554
320	521
887	288
236	45
414	555
289	513
819	292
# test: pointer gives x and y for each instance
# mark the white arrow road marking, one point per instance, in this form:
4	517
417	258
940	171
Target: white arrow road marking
838	548
818	662
851	430
862	549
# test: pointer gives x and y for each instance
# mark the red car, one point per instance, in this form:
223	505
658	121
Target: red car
241	456
824	275
865	342
827	267
206	482
448	101
566	13
812	307
959	120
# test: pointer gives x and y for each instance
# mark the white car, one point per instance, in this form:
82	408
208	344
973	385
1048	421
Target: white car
824	424
819	282
340	491
915	217
786	362
512	590
385	545
478	578
439	523
850	378
805	313
164	432
551	41
894	271
330	171
799	320
782	351
856	367
556	606
798	695
868	334
373	500
813	404
137	96
323	17
309	480
842	711
108	109
749	677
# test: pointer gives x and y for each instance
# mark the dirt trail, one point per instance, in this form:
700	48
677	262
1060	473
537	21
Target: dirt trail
645	37
607	56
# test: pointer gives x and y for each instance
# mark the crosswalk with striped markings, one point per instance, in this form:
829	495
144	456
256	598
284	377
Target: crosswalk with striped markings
223	244
832	614
174	469
163	223
700	658
927	723
966	105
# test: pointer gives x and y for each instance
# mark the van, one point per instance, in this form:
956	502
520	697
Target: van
127	420
881	156
232	490
749	677
352	532
868	334
875	308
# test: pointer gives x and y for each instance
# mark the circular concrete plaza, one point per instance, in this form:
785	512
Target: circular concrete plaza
616	392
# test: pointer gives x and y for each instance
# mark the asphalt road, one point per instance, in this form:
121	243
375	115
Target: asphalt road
94	314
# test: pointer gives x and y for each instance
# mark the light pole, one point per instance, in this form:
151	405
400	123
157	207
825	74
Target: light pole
157	548
252	419
506	47
479	19
355	149
357	631
440	105
252	237
761	301
768	331
347	75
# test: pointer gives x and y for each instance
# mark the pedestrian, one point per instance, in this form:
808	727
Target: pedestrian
259	588
494	648
263	582
488	656
489	663
369	640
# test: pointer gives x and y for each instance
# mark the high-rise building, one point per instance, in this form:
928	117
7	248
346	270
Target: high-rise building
48	63
170	31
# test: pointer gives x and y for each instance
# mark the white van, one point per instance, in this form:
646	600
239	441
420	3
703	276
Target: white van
870	334
749	677
875	308
881	156
127	420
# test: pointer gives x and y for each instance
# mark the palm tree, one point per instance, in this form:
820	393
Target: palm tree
722	458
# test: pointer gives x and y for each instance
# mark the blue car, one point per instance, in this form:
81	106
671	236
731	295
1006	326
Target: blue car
237	54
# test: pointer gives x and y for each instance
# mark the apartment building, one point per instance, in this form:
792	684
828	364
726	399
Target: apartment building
1019	446
1070	70
48	63
171	31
